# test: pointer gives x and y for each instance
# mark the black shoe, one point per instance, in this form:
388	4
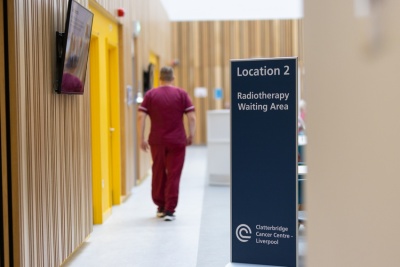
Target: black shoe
169	216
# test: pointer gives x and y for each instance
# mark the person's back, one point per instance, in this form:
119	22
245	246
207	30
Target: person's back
166	109
166	106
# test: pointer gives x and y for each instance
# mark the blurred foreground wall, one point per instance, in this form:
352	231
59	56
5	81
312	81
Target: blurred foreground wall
352	64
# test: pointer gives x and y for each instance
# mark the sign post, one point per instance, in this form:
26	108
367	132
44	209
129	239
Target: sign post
264	162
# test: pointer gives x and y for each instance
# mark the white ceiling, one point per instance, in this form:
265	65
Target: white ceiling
206	10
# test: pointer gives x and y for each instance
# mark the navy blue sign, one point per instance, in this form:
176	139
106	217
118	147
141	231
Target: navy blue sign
264	161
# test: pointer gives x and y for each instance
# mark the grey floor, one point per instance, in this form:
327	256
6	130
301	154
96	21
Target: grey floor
199	237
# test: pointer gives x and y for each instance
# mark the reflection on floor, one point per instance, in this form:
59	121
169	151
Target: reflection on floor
199	236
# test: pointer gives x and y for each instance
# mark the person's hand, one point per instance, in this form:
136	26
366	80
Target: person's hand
189	140
144	145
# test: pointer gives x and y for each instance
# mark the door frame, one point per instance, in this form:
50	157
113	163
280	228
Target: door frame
155	60
114	123
105	114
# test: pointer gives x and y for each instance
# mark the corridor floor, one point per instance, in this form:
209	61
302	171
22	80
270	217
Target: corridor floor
134	237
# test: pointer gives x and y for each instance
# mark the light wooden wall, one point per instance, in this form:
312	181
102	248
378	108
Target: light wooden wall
4	217
50	136
156	38
50	133
204	50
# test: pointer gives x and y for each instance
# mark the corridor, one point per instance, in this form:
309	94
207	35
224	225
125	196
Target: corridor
199	236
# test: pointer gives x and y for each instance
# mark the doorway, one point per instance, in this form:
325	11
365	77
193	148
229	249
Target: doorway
155	60
105	116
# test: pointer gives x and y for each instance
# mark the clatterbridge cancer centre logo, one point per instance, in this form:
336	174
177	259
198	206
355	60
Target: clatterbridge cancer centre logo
243	233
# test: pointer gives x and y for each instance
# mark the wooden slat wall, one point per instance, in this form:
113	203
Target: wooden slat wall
205	48
51	161
4	217
50	142
155	37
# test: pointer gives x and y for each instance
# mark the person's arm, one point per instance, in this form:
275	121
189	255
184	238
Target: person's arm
144	145
192	127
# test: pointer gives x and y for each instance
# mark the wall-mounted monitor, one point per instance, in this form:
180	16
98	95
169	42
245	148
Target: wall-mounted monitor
73	49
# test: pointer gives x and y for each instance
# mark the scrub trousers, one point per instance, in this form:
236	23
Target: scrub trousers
167	168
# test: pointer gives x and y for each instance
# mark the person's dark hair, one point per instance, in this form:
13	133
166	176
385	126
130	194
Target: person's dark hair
166	74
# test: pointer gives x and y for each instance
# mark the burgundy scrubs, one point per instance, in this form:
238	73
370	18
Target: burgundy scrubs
166	106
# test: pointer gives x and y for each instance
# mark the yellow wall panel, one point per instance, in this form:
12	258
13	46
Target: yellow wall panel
154	38
115	123
105	116
95	106
153	59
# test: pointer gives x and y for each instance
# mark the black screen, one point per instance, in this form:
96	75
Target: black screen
78	34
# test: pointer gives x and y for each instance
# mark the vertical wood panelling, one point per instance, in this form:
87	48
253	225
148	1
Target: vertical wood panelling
50	133
155	37
226	68
217	62
256	38
4	201
212	47
51	140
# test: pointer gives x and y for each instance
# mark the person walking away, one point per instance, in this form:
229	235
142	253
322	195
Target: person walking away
166	106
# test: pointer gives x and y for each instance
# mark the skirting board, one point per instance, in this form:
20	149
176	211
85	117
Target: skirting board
215	179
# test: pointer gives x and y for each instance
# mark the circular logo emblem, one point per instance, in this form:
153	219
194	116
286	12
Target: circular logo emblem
243	233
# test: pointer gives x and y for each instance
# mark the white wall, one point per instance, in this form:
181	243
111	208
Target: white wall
353	103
